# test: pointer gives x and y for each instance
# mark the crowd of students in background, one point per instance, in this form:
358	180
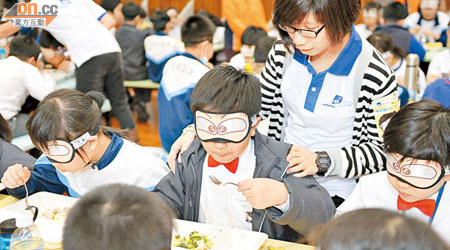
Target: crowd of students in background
329	91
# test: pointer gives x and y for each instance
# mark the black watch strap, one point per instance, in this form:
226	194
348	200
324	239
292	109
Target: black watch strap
323	162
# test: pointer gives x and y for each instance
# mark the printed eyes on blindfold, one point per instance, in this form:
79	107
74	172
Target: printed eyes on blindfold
415	170
226	127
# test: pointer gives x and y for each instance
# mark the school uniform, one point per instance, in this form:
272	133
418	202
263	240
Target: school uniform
374	191
158	49
123	162
180	75
193	196
18	80
238	61
95	52
438	25
439	91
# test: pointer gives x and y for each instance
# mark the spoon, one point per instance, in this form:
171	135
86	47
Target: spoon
26	197
217	182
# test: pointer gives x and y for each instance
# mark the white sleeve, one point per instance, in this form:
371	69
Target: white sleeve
96	10
411	20
434	67
285	206
422	81
353	202
39	85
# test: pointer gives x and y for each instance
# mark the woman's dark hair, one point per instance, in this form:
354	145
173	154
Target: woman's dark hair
420	130
252	35
47	40
375	229
5	130
226	89
383	42
196	29
119	217
338	16
159	19
65	114
24	47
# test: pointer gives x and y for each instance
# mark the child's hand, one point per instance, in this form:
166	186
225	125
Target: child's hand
263	192
16	176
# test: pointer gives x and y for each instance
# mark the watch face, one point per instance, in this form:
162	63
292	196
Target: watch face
323	161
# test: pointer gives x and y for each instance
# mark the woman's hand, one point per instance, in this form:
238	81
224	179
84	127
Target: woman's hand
301	161
179	146
16	176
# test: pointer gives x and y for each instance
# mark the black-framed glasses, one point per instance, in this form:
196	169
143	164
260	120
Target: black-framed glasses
303	32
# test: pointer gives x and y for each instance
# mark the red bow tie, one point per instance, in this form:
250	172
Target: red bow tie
231	166
425	206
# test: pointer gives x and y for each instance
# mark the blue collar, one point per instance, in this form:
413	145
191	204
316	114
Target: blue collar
111	151
344	63
160	33
189	56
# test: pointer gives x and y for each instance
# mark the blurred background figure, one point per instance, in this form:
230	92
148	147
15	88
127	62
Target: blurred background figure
371	16
428	24
249	39
114	7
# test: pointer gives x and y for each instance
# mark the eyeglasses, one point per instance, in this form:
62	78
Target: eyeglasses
303	32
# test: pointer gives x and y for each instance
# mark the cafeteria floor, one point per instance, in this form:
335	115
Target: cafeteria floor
148	131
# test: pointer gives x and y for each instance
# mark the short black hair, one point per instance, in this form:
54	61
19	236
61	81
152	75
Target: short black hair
118	217
196	29
420	131
10	3
338	16
159	19
252	35
373	229
24	47
48	41
395	11
142	13
130	10
109	5
226	89
263	48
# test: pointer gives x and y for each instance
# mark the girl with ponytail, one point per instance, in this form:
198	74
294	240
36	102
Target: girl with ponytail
79	153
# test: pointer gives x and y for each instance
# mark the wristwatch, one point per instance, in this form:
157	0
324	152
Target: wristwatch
323	162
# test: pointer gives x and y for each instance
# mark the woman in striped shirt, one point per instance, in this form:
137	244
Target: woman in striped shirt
323	90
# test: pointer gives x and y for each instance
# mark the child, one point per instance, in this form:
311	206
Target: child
249	38
428	24
118	217
9	153
225	103
375	229
417	142
160	47
79	154
180	75
262	49
20	77
54	52
440	64
371	13
131	41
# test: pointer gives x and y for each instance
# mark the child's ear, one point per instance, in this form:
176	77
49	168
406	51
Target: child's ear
253	128
31	60
93	142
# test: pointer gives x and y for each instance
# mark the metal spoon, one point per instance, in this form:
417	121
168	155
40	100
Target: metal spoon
217	182
26	197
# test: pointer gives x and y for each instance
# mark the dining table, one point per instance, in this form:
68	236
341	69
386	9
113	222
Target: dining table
272	243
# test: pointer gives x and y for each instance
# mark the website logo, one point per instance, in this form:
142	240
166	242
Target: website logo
32	14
